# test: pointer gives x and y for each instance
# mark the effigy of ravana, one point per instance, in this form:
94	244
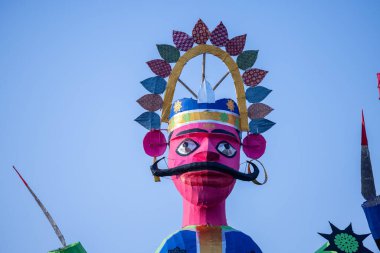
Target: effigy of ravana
204	136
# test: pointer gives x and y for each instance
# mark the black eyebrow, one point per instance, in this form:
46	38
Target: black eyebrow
193	130
221	131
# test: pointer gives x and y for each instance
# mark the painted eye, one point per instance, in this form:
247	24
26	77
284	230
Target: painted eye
226	149
187	147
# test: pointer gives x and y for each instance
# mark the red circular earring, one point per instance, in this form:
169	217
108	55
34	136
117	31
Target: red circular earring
154	143
254	145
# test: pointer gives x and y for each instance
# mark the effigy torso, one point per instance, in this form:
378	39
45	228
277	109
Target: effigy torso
195	239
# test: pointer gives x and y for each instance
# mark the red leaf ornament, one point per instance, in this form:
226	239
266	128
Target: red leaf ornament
182	41
258	111
160	67
235	46
150	102
253	77
219	36
201	33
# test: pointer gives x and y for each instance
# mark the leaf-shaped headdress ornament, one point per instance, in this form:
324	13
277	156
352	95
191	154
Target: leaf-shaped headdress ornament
200	35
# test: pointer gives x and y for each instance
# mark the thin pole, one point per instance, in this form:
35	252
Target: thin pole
156	179
221	80
44	210
188	88
204	67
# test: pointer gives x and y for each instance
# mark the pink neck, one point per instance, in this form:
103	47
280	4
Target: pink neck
197	215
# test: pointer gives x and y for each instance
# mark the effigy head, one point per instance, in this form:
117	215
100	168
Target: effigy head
204	139
204	134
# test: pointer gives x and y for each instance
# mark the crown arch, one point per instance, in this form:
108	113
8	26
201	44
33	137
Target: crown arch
232	67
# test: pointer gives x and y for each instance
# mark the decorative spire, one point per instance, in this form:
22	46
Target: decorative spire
44	210
368	184
206	93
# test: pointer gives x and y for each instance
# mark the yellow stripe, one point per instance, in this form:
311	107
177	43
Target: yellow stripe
192	117
210	239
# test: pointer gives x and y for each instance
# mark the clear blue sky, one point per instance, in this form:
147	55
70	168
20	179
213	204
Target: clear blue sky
69	79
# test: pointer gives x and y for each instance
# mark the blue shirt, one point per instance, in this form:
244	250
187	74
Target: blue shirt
208	239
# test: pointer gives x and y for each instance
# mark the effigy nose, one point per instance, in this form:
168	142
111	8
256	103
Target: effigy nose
207	156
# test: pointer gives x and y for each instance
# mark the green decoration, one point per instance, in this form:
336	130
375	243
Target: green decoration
344	241
246	59
171	124
168	53
72	248
186	117
322	249
237	123
224	117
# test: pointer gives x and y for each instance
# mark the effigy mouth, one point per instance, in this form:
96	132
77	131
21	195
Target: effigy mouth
204	166
206	177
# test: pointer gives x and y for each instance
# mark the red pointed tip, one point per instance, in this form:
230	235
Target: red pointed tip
18	173
364	133
378	83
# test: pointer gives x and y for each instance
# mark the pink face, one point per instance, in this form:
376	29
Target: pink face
204	142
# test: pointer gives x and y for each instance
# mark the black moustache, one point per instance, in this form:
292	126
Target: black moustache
199	166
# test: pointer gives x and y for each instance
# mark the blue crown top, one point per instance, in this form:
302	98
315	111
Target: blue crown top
188	104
